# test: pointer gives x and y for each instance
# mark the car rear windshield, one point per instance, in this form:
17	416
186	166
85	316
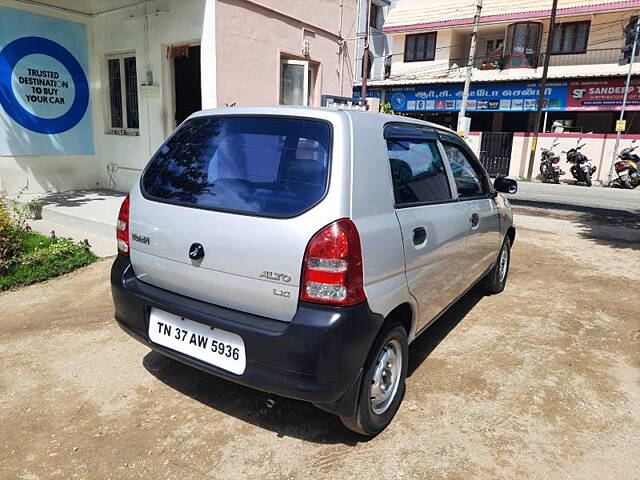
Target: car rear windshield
271	166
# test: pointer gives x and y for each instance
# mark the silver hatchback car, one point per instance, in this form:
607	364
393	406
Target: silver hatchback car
300	251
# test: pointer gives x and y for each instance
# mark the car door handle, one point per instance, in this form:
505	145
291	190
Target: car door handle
419	236
475	219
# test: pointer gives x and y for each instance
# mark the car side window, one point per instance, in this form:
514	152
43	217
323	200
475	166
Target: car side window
417	171
469	179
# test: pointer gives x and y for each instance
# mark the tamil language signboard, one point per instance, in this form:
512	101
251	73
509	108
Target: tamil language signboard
600	94
497	97
44	91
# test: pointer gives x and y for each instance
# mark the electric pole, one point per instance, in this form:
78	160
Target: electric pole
624	98
543	86
467	81
365	56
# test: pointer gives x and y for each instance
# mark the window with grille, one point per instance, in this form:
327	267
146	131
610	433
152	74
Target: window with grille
570	37
123	92
523	38
522	43
420	47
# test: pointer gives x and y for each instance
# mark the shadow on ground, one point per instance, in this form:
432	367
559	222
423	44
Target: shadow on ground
614	215
286	417
613	228
427	342
76	198
289	417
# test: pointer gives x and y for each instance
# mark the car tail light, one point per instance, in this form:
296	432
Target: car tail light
122	227
555	160
332	266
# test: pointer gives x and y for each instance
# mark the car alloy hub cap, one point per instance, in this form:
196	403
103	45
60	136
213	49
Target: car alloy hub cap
504	263
386	377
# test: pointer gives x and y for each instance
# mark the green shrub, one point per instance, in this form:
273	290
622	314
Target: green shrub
27	257
10	237
43	258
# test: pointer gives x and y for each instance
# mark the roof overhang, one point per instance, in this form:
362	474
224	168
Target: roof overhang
516	75
85	8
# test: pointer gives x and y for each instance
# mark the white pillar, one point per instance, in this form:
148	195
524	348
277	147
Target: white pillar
208	57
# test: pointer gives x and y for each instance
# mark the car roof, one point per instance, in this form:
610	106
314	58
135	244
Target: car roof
320	112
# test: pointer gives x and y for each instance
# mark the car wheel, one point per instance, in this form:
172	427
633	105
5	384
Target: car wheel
496	279
383	382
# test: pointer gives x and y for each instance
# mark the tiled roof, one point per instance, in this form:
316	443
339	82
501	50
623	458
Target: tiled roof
420	14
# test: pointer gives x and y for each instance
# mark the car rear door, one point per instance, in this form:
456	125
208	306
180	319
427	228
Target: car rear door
475	195
433	224
250	191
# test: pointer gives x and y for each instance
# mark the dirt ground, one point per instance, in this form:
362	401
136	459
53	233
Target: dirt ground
542	381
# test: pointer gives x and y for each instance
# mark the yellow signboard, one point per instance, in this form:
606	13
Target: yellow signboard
621	125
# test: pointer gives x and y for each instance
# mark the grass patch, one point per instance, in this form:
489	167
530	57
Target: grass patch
42	257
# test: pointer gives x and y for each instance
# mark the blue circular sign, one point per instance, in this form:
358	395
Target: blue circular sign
20	48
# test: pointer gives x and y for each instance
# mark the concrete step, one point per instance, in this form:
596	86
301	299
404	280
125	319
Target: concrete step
91	211
100	245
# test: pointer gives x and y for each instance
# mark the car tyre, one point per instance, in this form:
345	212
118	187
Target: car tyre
376	406
496	279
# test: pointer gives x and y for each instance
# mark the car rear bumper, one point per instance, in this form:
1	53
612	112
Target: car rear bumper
317	357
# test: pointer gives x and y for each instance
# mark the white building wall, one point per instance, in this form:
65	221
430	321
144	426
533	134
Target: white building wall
145	29
177	22
440	64
49	172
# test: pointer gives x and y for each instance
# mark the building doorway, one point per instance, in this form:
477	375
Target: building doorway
186	83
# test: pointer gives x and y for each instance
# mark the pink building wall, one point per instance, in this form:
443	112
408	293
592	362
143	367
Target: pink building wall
267	30
598	148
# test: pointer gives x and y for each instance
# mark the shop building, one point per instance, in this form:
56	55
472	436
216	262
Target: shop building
90	88
431	43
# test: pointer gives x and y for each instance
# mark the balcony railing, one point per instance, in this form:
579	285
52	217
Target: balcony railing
600	56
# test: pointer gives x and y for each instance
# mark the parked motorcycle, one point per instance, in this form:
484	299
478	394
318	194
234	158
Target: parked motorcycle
550	164
581	168
627	169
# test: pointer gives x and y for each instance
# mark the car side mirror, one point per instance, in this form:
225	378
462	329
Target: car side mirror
505	185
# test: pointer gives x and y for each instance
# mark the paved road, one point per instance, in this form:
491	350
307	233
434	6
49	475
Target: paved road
577	197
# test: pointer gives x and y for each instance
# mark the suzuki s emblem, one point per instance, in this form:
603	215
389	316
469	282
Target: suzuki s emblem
196	251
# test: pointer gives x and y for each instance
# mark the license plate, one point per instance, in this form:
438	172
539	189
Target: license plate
623	173
211	345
